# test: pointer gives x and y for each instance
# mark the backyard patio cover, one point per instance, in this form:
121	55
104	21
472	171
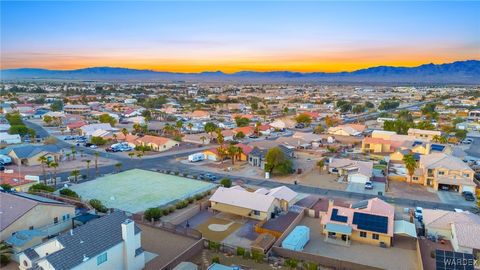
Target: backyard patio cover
339	228
231	209
406	228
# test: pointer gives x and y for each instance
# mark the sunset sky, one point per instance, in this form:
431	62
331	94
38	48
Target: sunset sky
232	36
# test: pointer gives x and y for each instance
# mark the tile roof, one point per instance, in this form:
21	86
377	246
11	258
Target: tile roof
13	207
28	151
468	235
153	139
242	198
442	160
442	219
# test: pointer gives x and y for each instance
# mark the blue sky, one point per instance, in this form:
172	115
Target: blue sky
232	36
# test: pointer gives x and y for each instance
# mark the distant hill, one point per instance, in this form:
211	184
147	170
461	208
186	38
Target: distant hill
461	72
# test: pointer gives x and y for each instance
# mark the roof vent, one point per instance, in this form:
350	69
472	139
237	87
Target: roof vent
85	258
71	231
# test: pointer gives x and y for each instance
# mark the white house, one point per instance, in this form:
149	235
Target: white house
356	171
9	138
110	242
97	129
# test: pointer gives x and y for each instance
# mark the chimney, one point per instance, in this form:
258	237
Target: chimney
330	203
71	232
129	244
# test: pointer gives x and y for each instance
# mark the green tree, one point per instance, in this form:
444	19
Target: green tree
98	140
303	118
358	109
40	187
98	205
75	173
369	104
242	121
47	119
43	161
153	213
5	252
321	164
118	166
240	135
426	125
210	127
439	139
319	129
233	151
225	182
88	167
410	165
106	118
277	162
54	165
68	193
460	134
56	106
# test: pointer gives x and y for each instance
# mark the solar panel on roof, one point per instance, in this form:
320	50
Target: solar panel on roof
370	222
336	217
437	147
448	260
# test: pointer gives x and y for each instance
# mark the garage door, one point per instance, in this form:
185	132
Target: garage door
357	178
211	157
469	188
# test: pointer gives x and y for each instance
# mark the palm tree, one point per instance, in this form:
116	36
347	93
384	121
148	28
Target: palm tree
75	173
114	137
257	128
43	160
124	132
203	139
73	152
190	126
81	152
439	139
5	252
68	156
139	156
118	166
321	164
410	164
220	138
88	167
131	154
54	165
96	163
232	151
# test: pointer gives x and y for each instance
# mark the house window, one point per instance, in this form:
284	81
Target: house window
441	173
256	212
31	228
66	217
363	234
331	234
415	178
101	258
375	236
55	220
466	175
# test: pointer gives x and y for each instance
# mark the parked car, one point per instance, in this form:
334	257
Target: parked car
300	125
69	138
468	196
2	168
368	185
93	146
210	177
111	149
418	212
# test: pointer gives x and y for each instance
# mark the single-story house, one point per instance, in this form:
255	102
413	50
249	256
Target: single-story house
102	129
157	143
347	130
9	138
355	170
29	154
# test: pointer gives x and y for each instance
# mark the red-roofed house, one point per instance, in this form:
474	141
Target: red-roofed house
200	115
247	131
76	125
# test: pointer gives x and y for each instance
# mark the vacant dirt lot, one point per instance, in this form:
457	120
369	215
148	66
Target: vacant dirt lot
154	240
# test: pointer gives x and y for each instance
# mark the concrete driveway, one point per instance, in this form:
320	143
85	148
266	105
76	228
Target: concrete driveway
360	188
453	198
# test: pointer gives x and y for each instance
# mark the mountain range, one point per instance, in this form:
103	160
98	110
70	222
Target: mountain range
460	72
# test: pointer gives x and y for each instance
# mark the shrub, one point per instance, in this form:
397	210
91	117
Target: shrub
310	266
181	204
191	200
214	246
98	141
171	209
165	211
98	205
176	173
240	251
258	256
198	197
247	255
292	263
215	259
226	182
153	213
41	187
6	187
69	193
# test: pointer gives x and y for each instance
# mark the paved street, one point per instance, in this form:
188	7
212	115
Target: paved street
167	162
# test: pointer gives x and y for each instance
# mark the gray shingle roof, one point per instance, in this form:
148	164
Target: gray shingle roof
27	151
90	240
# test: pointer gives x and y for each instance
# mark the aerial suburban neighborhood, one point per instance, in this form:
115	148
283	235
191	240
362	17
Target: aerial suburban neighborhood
239	135
177	175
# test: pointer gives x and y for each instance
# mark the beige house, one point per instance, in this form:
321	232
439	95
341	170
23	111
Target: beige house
158	144
259	205
443	171
29	154
24	211
423	134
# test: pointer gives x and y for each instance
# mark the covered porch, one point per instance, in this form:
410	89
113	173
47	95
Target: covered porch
338	234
